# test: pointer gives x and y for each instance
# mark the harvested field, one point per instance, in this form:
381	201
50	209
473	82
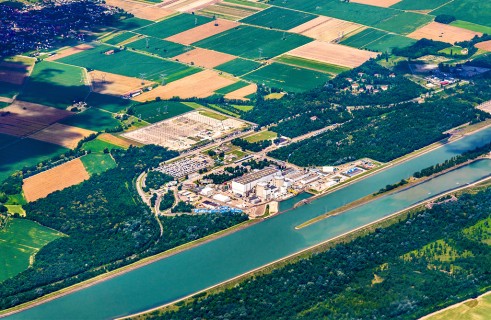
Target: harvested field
58	178
115	84
62	135
378	3
327	29
204	58
228	11
13	72
24	118
141	10
204	31
242	93
200	85
485	45
109	138
190	5
333	54
68	52
443	32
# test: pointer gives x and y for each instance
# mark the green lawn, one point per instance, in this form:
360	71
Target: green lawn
19	241
173	25
288	78
238	67
261	136
162	48
96	163
107	102
55	84
251	42
278	18
134	64
120	38
18	153
232	87
312	64
475	11
92	119
471	26
243	108
159	110
98	146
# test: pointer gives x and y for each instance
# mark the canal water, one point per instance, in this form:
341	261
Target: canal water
206	265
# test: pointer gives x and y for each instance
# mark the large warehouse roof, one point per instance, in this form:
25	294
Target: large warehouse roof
248	178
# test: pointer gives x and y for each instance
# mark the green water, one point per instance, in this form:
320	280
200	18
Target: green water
216	261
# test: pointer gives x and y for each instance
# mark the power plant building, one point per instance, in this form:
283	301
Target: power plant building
243	185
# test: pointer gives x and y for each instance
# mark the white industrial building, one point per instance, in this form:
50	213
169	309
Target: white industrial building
243	185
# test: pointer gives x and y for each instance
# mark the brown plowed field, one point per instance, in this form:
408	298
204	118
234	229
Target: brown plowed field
123	143
62	135
114	84
378	3
327	29
443	32
204	58
241	93
69	52
485	45
58	178
200	85
141	10
204	31
333	53
24	118
12	72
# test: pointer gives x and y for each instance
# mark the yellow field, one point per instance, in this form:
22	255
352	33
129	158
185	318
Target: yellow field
204	58
62	135
241	93
473	309
327	29
443	32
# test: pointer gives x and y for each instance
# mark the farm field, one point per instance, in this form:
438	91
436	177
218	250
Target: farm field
242	93
62	135
378	3
263	135
159	110
115	84
114	40
117	141
246	41
140	9
173	25
243	108
13	72
98	146
19	241
473	309
471	26
96	163
107	102
58	178
388	42
475	11
199	85
236	86
232	10
333	54
204	31
485	45
419	4
9	90
204	58
135	64
278	18
25	152
55	84
238	67
132	23
92	119
327	29
312	64
363	38
404	22
69	51
444	32
288	78
162	48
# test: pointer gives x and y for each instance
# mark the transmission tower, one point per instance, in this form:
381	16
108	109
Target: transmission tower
162	78
260	53
146	41
142	77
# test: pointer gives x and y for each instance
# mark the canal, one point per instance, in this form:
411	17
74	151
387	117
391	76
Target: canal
224	258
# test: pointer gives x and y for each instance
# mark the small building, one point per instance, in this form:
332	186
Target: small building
328	169
222	198
207	191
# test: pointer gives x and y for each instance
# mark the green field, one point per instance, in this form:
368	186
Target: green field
173	25
120	38
8	90
388	42
134	63
96	163
159	110
263	135
248	3
92	119
404	22
19	241
419	4
243	108
454	51
24	152
55	84
475	11
98	146
288	78
232	87
132	23
3	104
471	26
312	64
213	115
247	41
162	48
107	102
363	38
238	67
278	18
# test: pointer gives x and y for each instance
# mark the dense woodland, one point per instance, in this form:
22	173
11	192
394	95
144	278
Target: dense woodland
106	223
156	179
251	146
432	259
387	133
